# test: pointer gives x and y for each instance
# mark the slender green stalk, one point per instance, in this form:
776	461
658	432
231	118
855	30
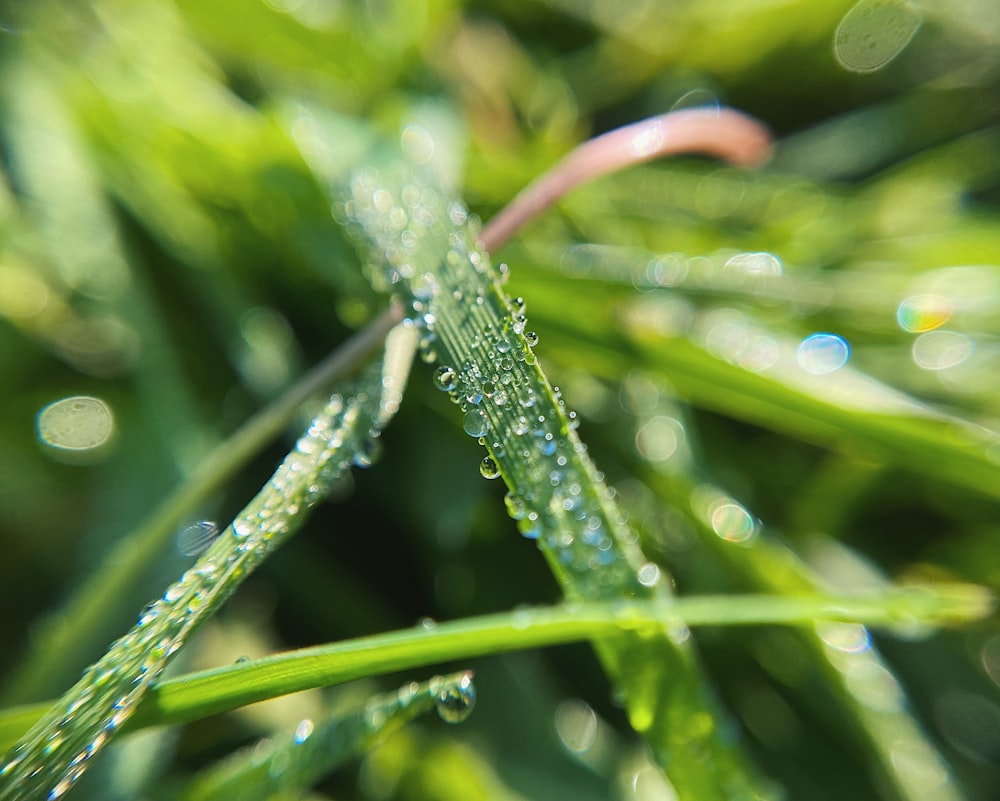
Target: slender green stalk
57	750
197	695
67	631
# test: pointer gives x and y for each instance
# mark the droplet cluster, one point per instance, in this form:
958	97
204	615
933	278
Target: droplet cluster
57	750
284	765
425	250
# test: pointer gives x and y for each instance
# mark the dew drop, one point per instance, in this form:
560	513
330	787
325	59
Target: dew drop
475	423
445	378
488	468
456	700
368	453
531	338
504	346
196	538
303	731
823	353
77	424
874	32
516	507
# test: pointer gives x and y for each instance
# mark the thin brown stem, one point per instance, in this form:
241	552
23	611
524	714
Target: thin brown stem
724	133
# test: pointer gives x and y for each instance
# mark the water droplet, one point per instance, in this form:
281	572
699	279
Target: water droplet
500	397
303	731
823	353
488	468
504	346
368	453
732	522
530	527
196	538
531	338
445	378
576	725
516	506
921	313
456	700
475	423
940	350
649	575
873	32
77	424
518	306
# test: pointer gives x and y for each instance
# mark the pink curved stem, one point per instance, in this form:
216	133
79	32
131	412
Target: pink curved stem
725	133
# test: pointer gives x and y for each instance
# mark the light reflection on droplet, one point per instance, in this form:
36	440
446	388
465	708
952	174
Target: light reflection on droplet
657	440
823	353
940	350
849	638
761	263
303	731
649	575
667	270
418	144
194	539
79	423
650	784
921	313
873	685
873	33
697	98
732	522
576	725
990	657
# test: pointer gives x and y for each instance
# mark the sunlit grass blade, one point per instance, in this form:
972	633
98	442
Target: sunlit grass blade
56	752
294	761
197	695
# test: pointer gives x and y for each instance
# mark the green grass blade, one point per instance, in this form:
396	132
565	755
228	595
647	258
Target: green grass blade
197	695
421	244
66	632
294	761
57	751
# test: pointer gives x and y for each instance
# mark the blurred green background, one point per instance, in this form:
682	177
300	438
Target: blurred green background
167	246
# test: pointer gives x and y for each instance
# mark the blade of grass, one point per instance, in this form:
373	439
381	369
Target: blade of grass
67	631
57	750
295	761
197	695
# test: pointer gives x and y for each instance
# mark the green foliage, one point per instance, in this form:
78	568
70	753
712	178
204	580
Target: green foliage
167	246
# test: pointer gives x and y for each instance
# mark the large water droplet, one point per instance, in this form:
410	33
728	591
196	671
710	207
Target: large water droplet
79	424
475	423
456	700
488	468
445	378
823	353
531	338
196	538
